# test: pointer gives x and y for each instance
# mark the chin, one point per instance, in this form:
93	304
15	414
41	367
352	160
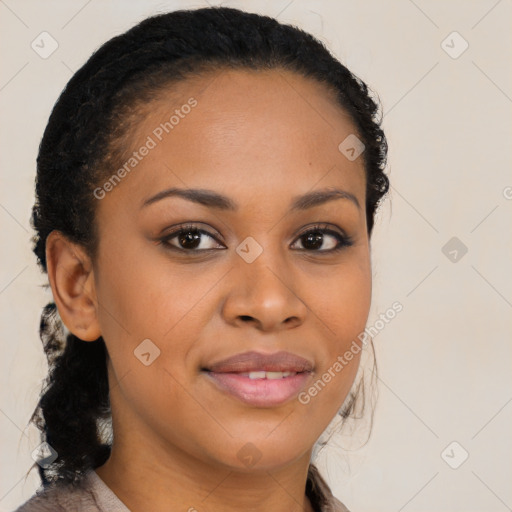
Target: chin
260	454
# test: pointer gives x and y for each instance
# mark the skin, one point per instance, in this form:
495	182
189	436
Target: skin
260	138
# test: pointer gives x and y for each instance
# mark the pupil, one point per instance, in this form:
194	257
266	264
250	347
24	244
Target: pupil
190	237
315	239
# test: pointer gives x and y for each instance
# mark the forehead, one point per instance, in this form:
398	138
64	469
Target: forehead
244	130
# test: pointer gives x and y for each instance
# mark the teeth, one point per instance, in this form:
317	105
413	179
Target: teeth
269	375
256	375
277	375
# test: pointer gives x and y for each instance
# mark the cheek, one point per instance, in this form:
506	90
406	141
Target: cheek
143	295
341	301
148	317
146	297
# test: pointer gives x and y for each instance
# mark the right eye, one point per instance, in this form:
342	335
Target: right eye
190	239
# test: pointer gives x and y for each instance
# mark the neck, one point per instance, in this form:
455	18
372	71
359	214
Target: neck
147	483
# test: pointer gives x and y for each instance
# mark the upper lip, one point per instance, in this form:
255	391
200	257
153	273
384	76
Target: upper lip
254	361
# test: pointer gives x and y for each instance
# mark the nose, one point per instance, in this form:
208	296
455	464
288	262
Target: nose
262	294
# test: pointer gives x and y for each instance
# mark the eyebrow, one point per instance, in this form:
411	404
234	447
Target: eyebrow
218	201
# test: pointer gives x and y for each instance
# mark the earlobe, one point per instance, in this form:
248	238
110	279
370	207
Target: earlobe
71	277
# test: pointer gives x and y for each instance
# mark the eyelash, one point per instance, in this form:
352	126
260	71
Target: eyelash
343	240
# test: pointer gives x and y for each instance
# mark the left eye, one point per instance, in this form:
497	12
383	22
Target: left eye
315	240
190	239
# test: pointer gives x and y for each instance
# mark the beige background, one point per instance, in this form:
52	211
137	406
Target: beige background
445	360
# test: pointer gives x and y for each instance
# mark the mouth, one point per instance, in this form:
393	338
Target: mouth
260	380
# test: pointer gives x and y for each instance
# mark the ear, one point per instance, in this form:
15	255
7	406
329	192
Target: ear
71	277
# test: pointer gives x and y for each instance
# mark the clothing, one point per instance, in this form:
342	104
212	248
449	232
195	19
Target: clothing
93	495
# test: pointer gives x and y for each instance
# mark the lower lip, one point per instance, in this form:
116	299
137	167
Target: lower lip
260	392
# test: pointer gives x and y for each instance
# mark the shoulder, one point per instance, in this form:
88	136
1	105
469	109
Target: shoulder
62	498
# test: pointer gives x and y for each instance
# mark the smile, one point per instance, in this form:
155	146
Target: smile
260	380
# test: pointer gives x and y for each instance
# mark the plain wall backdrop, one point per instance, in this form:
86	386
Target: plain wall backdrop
441	247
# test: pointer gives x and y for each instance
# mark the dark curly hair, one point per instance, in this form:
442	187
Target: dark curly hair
86	134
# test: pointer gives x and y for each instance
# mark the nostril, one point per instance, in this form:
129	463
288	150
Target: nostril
246	318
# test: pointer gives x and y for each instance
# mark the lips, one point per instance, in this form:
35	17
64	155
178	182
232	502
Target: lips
256	361
260	380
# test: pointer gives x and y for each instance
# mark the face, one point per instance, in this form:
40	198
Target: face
223	309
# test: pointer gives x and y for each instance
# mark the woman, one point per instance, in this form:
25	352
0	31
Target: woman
206	191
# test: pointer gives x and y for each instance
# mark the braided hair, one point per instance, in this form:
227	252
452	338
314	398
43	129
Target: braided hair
87	132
